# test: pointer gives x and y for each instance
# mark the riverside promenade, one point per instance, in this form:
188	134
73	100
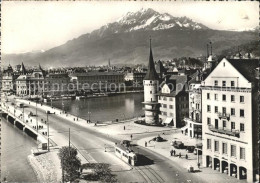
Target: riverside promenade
140	134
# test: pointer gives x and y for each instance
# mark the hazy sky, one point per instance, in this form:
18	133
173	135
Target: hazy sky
30	26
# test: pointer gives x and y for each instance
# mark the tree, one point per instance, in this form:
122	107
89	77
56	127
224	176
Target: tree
70	163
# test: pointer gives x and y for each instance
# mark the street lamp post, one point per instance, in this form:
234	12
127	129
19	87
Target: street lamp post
36	118
48	131
89	116
23	113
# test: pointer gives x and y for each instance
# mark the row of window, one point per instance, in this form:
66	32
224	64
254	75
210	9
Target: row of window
165	114
233	151
165	106
224	124
232	111
165	98
224	98
224	111
224	83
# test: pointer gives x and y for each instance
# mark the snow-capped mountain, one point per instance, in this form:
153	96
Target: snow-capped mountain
148	19
127	41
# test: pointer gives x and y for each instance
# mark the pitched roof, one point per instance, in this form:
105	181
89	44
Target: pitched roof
247	67
151	72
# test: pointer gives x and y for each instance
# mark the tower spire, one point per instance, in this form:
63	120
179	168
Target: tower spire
151	72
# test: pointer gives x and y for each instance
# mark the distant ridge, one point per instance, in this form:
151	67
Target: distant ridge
127	41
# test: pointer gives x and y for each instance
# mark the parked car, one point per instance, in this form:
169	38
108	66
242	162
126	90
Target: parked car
159	139
195	151
177	144
190	149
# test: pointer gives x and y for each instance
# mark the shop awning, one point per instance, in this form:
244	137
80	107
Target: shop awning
184	128
167	120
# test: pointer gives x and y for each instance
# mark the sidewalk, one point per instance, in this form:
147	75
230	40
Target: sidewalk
164	148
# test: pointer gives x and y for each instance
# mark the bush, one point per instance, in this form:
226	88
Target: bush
102	172
70	163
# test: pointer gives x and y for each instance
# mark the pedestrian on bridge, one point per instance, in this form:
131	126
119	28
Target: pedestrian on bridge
174	152
180	155
145	144
131	136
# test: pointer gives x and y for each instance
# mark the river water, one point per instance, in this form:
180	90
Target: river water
120	107
16	146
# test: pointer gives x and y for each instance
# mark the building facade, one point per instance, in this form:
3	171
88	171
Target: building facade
57	84
98	81
173	99
8	80
194	122
31	84
230	124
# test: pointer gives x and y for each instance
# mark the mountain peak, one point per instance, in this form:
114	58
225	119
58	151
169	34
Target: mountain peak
149	19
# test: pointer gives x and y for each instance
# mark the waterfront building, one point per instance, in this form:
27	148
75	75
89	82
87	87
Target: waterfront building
230	118
136	77
98	81
57	84
151	84
8	80
31	84
173	100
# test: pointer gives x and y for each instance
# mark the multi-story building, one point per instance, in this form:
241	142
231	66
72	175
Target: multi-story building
57	84
173	100
8	80
151	82
194	123
230	118
31	84
136	77
98	81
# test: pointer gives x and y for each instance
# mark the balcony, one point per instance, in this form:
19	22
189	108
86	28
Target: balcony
224	116
151	109
230	132
198	122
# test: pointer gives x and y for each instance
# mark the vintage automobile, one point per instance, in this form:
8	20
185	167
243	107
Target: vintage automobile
190	149
177	144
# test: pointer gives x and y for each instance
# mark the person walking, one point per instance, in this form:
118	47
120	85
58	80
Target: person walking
186	156
180	155
171	152
145	144
124	127
131	136
174	152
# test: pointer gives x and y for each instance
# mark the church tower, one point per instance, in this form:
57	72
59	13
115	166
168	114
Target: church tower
151	82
